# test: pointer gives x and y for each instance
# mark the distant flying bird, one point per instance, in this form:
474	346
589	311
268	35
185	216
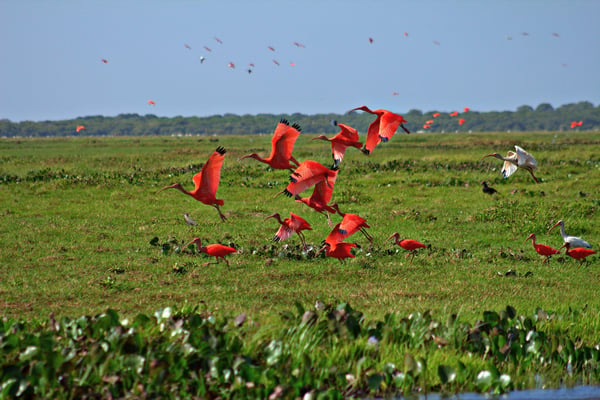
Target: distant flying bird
512	161
487	189
436	42
297	44
524	34
151	102
435	115
207	49
231	65
219	251
79	128
271	48
555	34
572	241
466	109
370	40
187	46
276	62
206	182
509	38
341	250
289	226
382	128
351	223
576	123
104	60
218	40
202	59
406	34
407	244
347	137
461	121
282	145
292	64
454	114
395	93
189	220
542	249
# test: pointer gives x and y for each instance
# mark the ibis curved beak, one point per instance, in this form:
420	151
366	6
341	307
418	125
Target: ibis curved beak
554	226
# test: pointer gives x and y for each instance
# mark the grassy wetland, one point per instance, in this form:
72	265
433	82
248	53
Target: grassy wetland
84	231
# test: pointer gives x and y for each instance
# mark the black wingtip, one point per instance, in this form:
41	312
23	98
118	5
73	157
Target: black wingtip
276	238
287	193
365	151
405	129
221	150
284	121
297	127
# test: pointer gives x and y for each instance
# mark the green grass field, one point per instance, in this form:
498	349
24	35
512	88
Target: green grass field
78	216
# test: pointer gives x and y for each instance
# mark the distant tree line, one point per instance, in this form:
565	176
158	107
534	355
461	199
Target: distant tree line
543	118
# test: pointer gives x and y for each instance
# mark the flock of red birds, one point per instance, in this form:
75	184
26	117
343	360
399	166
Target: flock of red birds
312	174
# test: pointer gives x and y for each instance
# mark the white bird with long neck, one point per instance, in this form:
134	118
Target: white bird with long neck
512	161
572	241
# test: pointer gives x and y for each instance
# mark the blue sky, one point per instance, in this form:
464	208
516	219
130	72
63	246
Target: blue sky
51	65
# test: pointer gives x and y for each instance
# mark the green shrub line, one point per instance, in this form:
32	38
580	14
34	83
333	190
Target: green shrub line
326	351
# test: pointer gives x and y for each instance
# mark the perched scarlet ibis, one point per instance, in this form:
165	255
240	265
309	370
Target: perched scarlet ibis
341	250
352	223
347	137
382	128
512	161
151	102
79	128
572	241
282	145
216	250
206	182
461	121
454	114
576	123
294	223
407	244
435	115
542	249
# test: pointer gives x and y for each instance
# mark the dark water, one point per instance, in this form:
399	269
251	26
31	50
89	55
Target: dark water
575	393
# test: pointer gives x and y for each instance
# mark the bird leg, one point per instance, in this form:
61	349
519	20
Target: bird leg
367	235
301	236
223	218
403	127
533	176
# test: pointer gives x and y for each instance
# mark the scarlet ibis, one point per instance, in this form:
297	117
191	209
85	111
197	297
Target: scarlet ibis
218	40
79	128
323	180
189	220
487	189
435	115
271	48
512	161
151	102
340	250
407	244
347	137
206	182
541	249
370	40
466	109
231	65
382	128
576	123
454	114
294	223
104	60
352	223
461	121
578	253
282	145
216	250
572	241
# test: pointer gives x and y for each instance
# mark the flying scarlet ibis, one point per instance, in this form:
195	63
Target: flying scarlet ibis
576	123
382	128
207	49
187	46
297	44
578	253
429	121
218	40
407	244
435	115
541	249
271	48
347	137
294	223
80	128
370	40
231	65
311	173
216	250
352	223
487	189
466	109
572	241
426	126
454	114
282	145
276	62
151	102
341	250
461	121
206	182
512	161
104	60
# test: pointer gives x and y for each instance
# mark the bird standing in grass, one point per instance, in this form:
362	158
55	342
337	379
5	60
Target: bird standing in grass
382	128
578	253
294	223
542	249
572	241
206	182
514	160
216	250
487	189
407	244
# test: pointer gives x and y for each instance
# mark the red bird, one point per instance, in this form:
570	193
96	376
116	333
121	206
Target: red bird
282	145
341	250
575	123
461	121
151	102
383	128
542	249
435	115
407	244
347	137
290	225
454	114
216	250
206	182
80	127
104	60
351	223
578	253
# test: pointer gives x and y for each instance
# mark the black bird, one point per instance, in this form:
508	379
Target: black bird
487	189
